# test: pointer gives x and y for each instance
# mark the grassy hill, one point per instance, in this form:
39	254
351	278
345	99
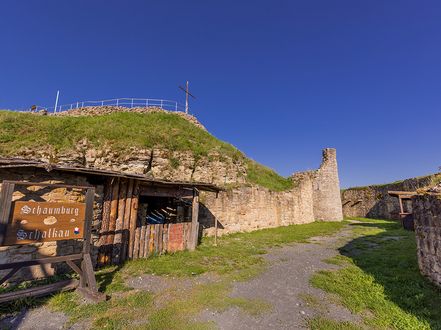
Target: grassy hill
120	131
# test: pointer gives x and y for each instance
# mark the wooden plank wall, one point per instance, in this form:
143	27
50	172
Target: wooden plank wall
120	207
161	238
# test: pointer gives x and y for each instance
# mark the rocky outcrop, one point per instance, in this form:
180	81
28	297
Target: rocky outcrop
152	163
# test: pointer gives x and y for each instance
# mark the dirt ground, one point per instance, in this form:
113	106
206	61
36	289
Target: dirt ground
284	285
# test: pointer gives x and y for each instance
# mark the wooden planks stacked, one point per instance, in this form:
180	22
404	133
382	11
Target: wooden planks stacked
161	238
121	198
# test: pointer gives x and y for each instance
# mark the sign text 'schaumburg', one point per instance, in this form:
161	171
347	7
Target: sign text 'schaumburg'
45	221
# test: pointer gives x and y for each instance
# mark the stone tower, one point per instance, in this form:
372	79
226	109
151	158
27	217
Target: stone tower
326	189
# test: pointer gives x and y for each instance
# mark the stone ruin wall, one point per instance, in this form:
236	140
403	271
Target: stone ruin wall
326	189
315	196
374	201
427	216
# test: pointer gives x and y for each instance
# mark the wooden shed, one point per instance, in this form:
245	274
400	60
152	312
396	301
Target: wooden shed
135	216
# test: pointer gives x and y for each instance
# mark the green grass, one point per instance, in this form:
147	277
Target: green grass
380	279
430	180
266	177
121	131
239	253
117	131
322	323
237	257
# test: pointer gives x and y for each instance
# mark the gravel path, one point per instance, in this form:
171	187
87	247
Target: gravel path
284	285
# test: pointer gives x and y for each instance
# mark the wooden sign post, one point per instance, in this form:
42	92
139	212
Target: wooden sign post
26	222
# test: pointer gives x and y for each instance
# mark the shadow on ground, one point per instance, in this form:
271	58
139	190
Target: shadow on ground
388	253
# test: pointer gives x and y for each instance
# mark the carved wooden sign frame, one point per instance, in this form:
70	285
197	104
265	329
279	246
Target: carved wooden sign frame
30	222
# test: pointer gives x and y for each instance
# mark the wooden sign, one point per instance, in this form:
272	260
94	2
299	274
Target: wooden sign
45	222
42	222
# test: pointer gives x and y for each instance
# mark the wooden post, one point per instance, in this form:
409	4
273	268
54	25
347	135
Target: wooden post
194	222
88	278
104	231
146	241
164	238
142	239
135	253
401	204
112	218
152	239
126	222
117	240
133	217
5	203
215	231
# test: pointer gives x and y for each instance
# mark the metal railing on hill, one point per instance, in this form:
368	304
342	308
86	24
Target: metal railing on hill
121	102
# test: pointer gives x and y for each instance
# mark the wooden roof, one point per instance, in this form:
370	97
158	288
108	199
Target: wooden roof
21	163
402	194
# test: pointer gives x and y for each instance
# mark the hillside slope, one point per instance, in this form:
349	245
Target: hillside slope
158	144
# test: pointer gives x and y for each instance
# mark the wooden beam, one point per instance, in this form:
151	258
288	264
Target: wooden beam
39	291
194	223
9	275
403	194
136	243
126	222
74	267
113	214
117	239
401	204
107	200
42	261
176	192
133	218
5	204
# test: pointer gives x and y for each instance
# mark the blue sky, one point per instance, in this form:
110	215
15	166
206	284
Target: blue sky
278	79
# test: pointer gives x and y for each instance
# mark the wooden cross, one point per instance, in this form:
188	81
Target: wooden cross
187	93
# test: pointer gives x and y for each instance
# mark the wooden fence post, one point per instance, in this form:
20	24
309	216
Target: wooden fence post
133	217
117	240
112	218
104	230
126	222
194	222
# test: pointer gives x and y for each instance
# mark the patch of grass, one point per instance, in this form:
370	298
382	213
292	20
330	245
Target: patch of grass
321	323
27	302
338	260
110	280
311	300
383	282
112	314
215	296
266	177
174	163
